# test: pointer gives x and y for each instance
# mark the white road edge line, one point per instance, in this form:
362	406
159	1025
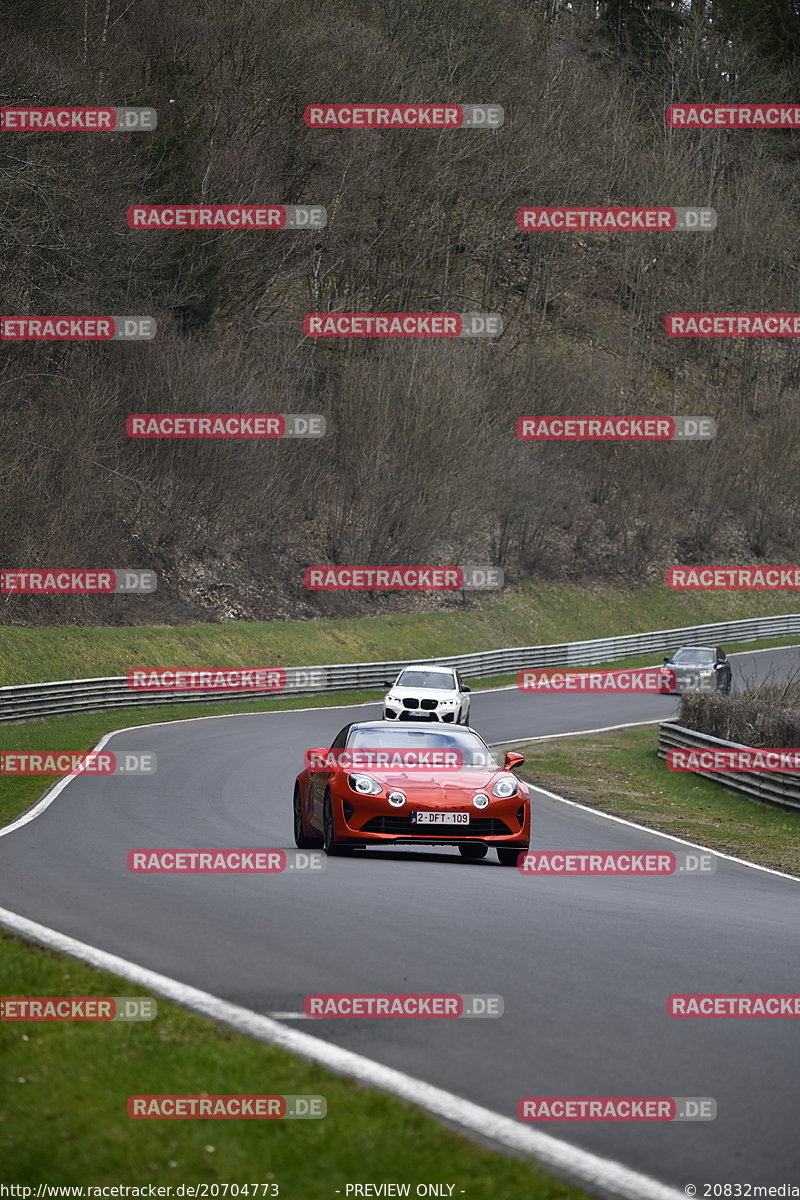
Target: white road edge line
601	1176
546	737
743	862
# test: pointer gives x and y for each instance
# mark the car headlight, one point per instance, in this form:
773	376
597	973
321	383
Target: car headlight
451	703
365	785
504	788
393	700
480	800
397	799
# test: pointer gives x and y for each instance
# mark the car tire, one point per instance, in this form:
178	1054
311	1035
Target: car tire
329	843
508	856
729	684
301	839
473	850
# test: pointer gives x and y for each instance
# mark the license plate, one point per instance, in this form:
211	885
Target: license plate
440	818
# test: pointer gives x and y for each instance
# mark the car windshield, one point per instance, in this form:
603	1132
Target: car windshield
417	678
693	654
474	751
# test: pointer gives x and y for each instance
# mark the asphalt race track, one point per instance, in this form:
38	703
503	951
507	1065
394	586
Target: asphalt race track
584	965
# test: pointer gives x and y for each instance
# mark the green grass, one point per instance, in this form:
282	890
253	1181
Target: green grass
528	614
621	773
64	1087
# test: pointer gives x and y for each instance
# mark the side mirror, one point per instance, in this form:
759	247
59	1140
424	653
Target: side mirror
317	758
467	689
388	683
513	760
666	658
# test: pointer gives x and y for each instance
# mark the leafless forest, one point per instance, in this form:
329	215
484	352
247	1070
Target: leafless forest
422	464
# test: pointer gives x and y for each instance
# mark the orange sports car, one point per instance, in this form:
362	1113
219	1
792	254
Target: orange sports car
401	785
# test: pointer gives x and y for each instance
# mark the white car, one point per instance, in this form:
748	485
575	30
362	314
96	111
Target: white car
427	694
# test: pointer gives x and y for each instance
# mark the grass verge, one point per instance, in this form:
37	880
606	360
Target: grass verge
621	773
64	1087
527	614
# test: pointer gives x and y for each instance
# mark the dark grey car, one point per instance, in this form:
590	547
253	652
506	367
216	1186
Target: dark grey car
699	669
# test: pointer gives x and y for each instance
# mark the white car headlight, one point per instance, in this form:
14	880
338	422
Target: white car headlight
397	799
480	800
452	703
504	788
365	785
393	700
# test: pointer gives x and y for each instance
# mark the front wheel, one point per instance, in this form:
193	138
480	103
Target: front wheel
473	850
301	838
329	843
508	856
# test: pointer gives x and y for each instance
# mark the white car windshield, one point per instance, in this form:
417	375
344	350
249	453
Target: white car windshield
474	751
417	678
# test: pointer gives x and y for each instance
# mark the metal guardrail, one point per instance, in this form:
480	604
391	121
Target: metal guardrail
28	701
778	789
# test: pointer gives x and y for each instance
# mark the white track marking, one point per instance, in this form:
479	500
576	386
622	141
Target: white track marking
743	862
55	791
546	737
601	1176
